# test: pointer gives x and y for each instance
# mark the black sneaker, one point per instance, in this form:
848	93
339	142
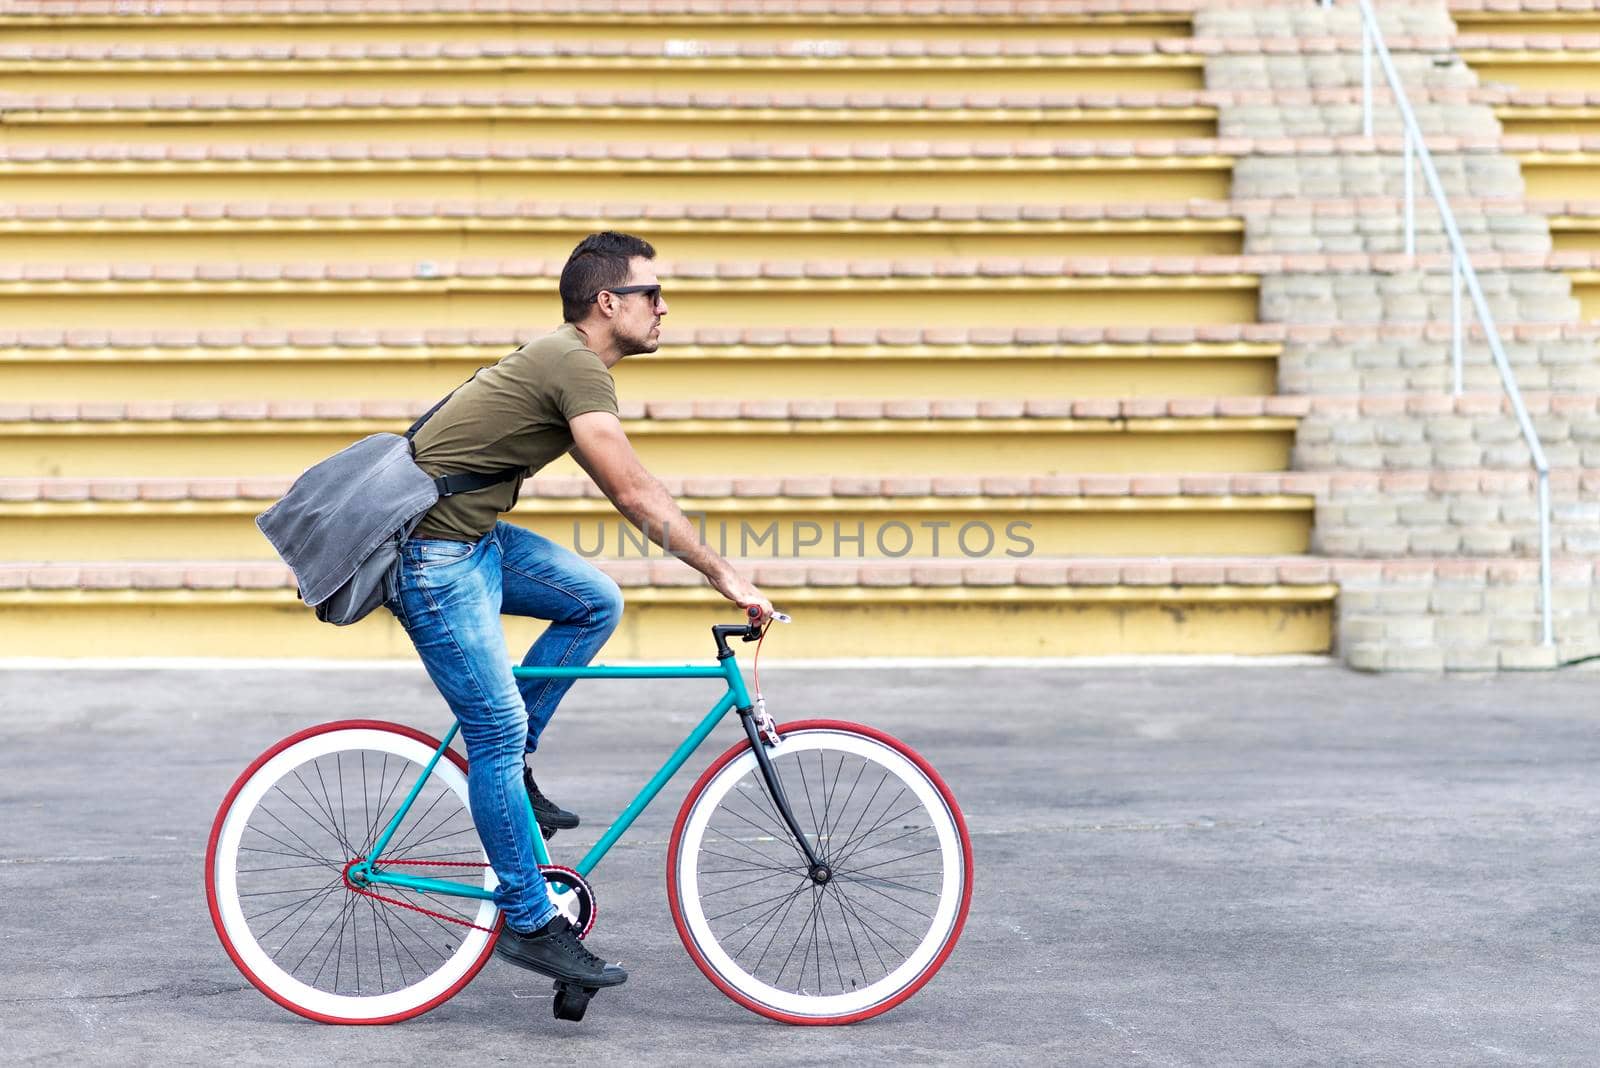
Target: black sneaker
551	816
554	950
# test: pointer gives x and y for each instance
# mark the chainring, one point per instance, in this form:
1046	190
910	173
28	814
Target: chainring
576	901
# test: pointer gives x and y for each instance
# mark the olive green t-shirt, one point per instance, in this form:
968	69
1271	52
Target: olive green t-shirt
513	413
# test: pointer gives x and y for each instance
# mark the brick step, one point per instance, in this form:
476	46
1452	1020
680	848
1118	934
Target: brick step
809	518
1466	614
1266	605
33	21
1556	166
1088	578
511	53
864	172
82	366
1120	171
512	115
1400	358
776	438
262	231
688	272
965	172
1401	431
1498	17
33	105
1574	224
995	291
869	293
1468	512
273	231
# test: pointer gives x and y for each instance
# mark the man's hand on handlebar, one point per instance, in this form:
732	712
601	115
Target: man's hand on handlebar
746	596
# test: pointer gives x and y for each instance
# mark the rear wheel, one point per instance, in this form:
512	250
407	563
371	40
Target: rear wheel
294	824
778	942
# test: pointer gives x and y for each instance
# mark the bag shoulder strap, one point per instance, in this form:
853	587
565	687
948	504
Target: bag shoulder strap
466	481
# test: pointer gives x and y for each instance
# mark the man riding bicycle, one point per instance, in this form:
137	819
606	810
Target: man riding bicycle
463	568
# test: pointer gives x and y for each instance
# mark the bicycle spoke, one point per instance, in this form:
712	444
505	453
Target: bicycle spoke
857	836
774	827
805	925
740	886
764	919
859	904
873	936
897	860
859	843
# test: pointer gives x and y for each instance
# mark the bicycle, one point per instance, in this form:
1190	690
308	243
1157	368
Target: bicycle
310	873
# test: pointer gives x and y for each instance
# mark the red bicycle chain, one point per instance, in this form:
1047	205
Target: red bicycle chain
407	904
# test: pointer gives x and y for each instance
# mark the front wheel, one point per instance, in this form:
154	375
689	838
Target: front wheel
790	948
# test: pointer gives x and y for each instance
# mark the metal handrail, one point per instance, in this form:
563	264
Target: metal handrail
1461	273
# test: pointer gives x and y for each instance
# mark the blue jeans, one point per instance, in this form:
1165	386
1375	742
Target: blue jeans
450	599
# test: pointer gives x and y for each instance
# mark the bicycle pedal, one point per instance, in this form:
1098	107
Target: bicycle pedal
548	832
571	1000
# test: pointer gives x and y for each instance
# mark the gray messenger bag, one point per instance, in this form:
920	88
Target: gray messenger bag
340	526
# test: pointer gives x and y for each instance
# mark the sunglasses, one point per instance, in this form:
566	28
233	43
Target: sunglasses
653	292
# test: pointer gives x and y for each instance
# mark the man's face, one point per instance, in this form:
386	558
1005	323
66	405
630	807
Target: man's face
637	323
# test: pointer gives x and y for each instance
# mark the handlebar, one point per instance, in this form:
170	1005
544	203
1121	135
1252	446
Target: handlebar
748	631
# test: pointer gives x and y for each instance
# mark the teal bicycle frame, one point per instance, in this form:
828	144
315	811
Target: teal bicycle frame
736	696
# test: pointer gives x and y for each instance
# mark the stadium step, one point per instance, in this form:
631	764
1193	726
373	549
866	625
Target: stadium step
814	518
863	293
1542	61
1526	17
260	231
1583	268
165	22
806	364
1550	111
1574	225
409	115
877	608
775	438
1077	172
1556	166
1038	65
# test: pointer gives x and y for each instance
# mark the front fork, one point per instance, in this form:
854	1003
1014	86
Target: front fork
762	732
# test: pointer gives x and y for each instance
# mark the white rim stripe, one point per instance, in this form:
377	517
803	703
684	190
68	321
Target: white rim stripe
341	1006
938	930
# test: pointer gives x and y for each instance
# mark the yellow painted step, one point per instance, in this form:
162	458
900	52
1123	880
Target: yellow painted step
1544	120
677	372
1574	233
1571	21
377	125
1586	288
672	625
821	73
1566	69
515	235
445	28
803	528
1559	175
1035	446
509	302
1112	178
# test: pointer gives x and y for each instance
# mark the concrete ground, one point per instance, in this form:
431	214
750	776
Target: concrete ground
1175	865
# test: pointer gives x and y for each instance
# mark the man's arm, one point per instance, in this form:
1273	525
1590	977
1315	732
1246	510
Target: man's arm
602	449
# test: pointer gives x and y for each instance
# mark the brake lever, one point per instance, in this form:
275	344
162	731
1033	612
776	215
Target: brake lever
754	630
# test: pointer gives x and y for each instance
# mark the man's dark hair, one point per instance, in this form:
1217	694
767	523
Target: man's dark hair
599	262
